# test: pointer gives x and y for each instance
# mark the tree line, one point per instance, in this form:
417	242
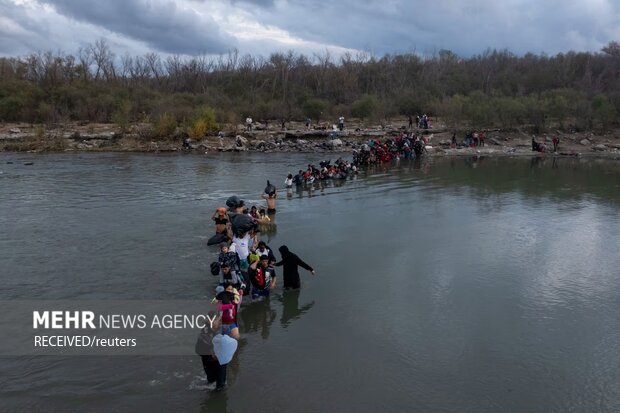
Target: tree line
576	90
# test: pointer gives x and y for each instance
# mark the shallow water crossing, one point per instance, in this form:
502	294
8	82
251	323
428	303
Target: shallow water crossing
446	285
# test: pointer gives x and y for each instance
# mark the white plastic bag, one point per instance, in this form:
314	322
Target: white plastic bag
224	348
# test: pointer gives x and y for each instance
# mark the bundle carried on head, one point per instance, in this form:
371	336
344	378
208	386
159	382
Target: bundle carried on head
234	202
242	223
270	189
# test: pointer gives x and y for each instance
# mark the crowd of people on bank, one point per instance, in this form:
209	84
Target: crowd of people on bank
405	145
542	146
421	122
246	269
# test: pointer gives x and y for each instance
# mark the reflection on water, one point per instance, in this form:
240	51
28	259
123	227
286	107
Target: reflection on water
469	284
258	316
290	307
215	402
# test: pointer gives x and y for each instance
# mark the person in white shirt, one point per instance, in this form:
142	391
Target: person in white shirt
242	247
288	182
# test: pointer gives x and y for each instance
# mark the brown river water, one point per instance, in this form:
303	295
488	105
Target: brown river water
446	285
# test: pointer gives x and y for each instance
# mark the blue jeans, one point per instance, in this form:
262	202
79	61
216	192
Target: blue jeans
260	293
227	328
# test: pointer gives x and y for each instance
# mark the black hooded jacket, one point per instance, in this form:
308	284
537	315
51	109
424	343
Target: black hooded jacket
291	262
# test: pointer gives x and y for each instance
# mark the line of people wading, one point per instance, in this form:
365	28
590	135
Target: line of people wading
246	268
246	265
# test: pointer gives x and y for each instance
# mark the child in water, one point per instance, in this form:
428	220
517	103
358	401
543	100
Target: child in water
254	212
228	300
229	256
262	217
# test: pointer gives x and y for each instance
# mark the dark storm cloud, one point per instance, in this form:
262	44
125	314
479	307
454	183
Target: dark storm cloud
163	25
466	27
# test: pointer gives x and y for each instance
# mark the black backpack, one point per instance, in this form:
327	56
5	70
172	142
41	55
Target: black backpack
215	268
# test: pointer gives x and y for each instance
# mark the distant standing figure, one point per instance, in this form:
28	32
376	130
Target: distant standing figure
341	123
453	140
299	178
481	137
410	122
291	262
248	124
556	142
308	123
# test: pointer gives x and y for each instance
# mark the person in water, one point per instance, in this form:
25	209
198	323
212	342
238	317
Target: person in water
262	217
299	178
262	276
242	248
291	262
228	256
227	306
288	183
221	220
263	249
229	276
216	373
254	212
271	202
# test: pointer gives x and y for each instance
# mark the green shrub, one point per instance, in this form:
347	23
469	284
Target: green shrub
204	122
165	126
10	108
604	111
315	108
121	116
364	107
509	111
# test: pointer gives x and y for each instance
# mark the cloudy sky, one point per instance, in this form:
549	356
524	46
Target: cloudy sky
194	27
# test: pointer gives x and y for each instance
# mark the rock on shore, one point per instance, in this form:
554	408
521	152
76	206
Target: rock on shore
106	137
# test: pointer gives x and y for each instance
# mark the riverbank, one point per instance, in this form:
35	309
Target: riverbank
294	138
